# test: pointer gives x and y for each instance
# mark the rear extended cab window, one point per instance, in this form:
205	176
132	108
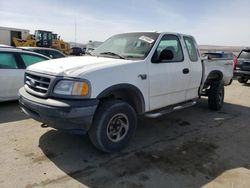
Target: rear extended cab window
192	51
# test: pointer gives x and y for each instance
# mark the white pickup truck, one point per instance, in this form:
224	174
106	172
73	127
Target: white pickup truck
143	73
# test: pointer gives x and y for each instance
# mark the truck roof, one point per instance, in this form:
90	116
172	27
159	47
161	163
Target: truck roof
159	32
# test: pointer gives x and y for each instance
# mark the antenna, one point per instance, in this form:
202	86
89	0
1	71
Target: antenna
75	31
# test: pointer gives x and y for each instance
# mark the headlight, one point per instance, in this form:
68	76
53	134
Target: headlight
69	87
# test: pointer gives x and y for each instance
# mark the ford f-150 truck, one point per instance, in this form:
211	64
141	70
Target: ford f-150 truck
142	73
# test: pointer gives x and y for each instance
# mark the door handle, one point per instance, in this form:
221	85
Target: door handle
185	71
142	76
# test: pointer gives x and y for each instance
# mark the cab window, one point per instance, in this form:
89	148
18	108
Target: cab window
171	43
29	59
8	61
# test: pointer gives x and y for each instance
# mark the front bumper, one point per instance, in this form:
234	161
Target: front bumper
73	116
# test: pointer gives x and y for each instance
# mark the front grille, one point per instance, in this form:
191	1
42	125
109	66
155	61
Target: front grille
37	83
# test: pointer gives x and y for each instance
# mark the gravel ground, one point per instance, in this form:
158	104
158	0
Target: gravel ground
192	147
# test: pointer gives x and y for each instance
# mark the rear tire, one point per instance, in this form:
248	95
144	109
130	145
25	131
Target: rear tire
113	126
216	95
242	80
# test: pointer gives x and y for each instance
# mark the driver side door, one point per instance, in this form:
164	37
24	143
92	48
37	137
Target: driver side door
169	79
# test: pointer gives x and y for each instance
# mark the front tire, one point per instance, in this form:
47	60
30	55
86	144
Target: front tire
216	95
113	126
242	80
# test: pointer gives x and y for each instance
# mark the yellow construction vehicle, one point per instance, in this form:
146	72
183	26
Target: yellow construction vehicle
29	41
43	39
59	44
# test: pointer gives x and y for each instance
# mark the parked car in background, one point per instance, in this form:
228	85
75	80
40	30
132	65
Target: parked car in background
13	63
219	55
84	50
77	51
89	50
49	52
242	69
92	45
5	46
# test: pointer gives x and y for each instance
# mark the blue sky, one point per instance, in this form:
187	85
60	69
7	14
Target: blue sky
224	22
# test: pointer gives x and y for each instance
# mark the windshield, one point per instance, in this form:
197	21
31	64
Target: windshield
127	46
244	55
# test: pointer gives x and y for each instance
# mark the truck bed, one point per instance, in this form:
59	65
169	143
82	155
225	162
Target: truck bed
225	66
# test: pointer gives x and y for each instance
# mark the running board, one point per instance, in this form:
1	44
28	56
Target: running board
158	113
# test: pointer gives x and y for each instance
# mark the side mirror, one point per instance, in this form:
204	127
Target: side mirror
166	55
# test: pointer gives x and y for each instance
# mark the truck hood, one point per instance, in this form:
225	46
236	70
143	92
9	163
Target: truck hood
75	66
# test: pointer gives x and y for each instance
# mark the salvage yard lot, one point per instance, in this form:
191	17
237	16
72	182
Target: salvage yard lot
193	147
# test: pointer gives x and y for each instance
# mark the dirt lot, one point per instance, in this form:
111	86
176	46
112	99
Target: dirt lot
193	147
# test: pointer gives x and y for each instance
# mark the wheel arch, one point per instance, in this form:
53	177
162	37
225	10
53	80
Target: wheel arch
215	75
212	77
126	92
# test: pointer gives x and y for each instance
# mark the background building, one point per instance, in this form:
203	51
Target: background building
6	34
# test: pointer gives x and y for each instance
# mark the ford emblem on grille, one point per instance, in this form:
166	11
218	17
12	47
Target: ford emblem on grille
32	82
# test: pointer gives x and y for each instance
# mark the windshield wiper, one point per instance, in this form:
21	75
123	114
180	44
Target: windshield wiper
112	54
